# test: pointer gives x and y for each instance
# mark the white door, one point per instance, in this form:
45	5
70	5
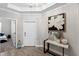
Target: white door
29	33
13	32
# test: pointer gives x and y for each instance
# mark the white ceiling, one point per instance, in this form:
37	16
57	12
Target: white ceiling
29	6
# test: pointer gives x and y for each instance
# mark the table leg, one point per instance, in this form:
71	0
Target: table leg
47	47
44	47
63	51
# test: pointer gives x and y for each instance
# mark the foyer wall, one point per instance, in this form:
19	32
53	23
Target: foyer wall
6	23
5	18
33	17
72	30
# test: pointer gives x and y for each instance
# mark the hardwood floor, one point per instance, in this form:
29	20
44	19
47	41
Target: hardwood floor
7	49
6	46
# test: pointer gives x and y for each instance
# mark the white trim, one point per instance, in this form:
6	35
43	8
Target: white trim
38	45
16	33
16	30
23	33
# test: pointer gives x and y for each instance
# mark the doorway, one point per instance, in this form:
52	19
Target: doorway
6	34
29	33
13	32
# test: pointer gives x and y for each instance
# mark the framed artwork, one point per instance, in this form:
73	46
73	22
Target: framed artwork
57	22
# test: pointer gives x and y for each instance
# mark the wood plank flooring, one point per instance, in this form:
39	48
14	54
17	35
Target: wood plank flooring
7	49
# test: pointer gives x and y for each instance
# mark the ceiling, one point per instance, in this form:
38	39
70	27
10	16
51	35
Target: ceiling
31	7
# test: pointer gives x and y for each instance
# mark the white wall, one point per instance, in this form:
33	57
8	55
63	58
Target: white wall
27	16
6	13
72	30
42	29
6	16
6	25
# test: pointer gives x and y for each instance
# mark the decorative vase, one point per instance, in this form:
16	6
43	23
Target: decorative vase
19	44
64	41
56	39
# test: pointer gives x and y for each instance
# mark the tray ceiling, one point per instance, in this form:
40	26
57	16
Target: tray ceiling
29	6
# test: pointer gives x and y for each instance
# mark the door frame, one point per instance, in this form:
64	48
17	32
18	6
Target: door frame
35	41
15	30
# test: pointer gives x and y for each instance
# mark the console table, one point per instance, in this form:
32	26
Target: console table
48	42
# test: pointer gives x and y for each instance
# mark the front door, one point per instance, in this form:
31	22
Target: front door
29	33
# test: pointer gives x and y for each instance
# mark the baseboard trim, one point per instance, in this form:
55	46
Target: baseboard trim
38	45
35	45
